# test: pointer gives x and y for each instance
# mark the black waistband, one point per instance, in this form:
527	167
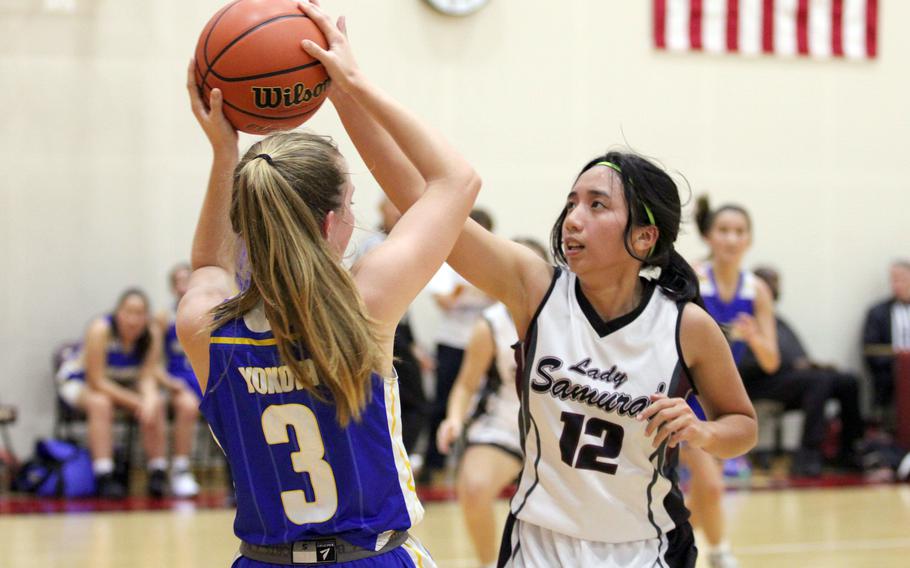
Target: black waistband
328	550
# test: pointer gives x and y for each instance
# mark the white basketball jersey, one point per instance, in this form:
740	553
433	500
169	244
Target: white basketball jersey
589	471
504	402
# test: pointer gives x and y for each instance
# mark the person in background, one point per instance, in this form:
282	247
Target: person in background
410	361
742	306
805	384
117	366
483	408
177	376
886	332
460	304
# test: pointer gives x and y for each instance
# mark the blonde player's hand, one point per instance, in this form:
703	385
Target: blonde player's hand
449	431
673	420
221	133
338	60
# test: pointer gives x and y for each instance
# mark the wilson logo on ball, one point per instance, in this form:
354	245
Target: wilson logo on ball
274	97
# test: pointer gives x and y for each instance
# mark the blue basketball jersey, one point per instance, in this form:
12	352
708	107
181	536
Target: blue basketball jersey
726	312
298	474
121	365
177	363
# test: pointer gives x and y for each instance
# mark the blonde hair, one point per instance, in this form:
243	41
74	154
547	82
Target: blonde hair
284	187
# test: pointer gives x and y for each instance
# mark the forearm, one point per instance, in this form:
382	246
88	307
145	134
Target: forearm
459	401
213	230
766	354
385	160
731	435
120	395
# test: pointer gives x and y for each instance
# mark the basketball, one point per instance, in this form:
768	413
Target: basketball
250	49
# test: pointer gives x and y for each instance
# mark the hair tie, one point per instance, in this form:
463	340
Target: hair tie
266	157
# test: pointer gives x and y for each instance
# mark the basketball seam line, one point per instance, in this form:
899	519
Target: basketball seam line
310	111
243	35
205	46
264	75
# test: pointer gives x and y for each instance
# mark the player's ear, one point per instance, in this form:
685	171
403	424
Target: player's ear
328	224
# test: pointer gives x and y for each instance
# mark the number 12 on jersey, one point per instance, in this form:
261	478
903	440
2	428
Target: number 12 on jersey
586	457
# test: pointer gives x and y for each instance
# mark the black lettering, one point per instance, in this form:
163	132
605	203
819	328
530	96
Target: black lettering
545	365
267	97
581	367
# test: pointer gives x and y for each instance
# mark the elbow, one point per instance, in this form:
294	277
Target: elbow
472	183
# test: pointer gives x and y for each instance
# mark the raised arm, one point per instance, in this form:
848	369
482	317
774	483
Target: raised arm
478	356
501	268
211	281
392	274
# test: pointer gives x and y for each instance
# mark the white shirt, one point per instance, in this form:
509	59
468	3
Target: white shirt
455	326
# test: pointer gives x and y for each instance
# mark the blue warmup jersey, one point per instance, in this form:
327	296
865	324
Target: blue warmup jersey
120	365
726	312
298	474
177	363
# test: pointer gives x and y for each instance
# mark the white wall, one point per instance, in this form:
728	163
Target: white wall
103	167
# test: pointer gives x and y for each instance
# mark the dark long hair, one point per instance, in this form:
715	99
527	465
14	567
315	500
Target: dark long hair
645	183
705	216
145	340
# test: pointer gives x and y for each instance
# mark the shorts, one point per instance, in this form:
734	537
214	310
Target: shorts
411	554
497	431
528	546
70	392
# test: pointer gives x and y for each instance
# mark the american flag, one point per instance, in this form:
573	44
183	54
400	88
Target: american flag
815	28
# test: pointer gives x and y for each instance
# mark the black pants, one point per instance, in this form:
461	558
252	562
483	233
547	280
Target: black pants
414	413
809	390
448	362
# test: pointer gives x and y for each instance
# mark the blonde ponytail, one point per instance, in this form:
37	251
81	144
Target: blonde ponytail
284	187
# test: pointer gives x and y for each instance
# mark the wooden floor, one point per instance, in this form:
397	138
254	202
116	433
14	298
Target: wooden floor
865	526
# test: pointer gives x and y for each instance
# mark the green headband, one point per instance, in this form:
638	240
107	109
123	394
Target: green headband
648	212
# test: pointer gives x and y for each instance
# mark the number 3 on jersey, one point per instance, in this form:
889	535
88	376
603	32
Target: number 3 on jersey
611	436
310	459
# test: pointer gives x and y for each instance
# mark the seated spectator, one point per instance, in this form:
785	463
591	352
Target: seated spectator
178	378
887	331
807	385
117	366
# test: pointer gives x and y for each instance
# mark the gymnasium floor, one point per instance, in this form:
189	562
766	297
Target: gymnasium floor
781	528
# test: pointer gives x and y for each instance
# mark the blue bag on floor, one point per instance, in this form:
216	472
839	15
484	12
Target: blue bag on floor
59	469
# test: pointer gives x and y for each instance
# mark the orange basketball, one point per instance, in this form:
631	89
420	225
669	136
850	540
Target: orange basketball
250	49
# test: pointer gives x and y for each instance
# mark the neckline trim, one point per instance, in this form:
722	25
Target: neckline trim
604	328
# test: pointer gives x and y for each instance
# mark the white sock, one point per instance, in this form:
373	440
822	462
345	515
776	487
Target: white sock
103	466
156	464
180	464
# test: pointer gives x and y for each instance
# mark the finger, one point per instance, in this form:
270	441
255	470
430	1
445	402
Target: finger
315	50
342	25
685	434
661	418
669	428
215	102
653	408
321	20
193	89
